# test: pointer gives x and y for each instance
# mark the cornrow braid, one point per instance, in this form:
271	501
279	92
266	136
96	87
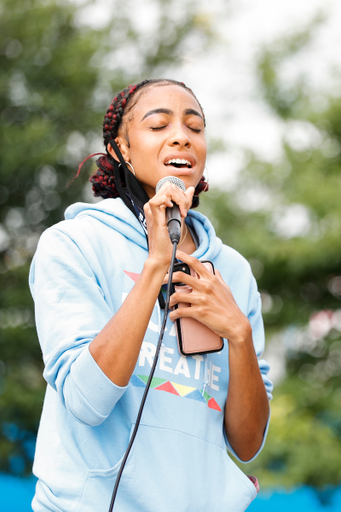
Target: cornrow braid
103	182
114	114
122	104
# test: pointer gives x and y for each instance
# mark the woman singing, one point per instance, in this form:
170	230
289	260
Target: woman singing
98	284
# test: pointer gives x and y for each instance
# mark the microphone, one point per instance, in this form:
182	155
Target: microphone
173	214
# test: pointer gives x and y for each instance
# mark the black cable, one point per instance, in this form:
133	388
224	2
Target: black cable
139	414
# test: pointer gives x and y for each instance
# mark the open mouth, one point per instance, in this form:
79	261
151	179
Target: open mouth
179	163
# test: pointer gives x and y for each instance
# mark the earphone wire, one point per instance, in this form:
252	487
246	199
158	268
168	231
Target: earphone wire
144	397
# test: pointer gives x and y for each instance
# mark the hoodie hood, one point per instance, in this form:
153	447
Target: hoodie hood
114	214
209	244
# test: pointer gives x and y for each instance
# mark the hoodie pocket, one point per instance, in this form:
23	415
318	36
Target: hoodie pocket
170	471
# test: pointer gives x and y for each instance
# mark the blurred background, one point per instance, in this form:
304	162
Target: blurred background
268	75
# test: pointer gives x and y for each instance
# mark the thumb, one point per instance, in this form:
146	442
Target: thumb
189	193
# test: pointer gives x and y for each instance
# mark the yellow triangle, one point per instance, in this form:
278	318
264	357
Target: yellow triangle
182	390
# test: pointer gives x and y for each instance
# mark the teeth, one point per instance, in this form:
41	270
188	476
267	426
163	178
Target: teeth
179	161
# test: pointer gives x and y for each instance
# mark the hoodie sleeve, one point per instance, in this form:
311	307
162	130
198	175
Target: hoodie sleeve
70	311
256	320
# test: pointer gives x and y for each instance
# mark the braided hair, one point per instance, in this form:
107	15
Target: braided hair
103	182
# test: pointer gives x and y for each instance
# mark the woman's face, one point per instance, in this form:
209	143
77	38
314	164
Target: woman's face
166	135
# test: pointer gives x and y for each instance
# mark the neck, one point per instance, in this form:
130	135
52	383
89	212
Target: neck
187	244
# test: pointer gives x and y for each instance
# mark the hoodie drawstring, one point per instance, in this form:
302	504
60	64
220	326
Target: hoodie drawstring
206	376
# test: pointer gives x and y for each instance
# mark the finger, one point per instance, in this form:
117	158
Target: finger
225	285
218	274
196	264
186	298
177	279
160	200
182	277
190	193
178	196
155	211
146	208
184	312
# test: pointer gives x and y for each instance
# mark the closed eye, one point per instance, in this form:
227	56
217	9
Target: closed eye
156	128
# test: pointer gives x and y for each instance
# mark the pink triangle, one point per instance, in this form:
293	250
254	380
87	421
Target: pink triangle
212	404
132	275
167	386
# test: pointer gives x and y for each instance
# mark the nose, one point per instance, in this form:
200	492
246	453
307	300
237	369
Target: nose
179	136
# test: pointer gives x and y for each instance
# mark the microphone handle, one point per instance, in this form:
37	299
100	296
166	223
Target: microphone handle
174	223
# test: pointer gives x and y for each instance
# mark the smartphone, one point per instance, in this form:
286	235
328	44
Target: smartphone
181	267
194	337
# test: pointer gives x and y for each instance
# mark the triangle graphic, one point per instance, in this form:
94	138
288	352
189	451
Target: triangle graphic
196	395
156	381
167	386
206	395
137	382
181	389
144	378
212	404
132	275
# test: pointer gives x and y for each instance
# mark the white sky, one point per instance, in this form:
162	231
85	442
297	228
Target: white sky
223	77
225	81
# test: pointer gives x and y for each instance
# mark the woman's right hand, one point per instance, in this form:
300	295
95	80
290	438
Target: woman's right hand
117	346
160	246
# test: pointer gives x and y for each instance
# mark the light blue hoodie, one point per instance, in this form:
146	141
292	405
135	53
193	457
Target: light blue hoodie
83	269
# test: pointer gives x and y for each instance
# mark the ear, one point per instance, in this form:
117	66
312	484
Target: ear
123	147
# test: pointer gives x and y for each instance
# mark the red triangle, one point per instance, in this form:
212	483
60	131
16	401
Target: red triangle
212	404
132	275
168	387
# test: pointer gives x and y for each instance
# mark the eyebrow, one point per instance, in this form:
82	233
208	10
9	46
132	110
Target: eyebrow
187	112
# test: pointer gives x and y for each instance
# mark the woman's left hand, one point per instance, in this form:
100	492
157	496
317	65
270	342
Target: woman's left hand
212	302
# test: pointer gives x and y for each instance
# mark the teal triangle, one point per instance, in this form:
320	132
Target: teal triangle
137	382
196	395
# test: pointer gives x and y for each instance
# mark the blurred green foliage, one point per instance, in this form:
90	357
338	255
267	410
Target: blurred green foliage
57	79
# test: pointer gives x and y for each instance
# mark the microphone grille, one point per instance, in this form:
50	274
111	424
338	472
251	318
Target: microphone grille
172	179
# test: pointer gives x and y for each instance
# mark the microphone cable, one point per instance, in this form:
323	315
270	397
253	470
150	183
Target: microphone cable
158	347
